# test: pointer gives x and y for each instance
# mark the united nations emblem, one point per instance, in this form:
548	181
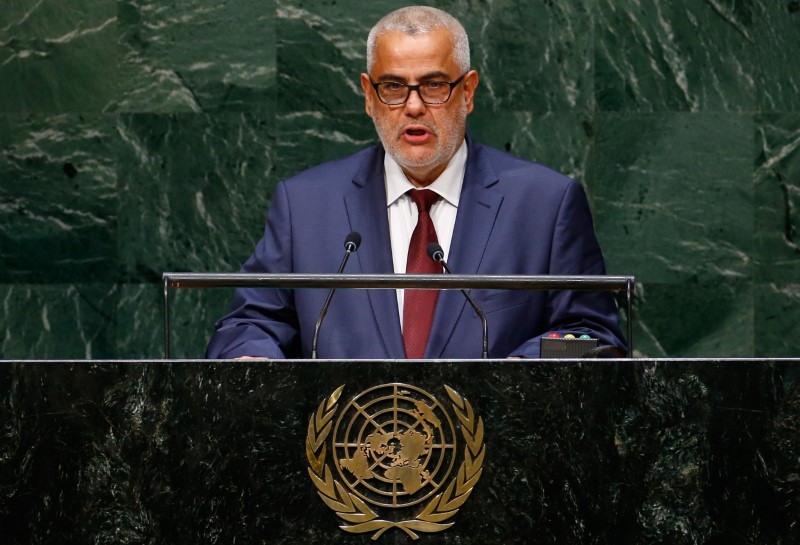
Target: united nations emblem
394	448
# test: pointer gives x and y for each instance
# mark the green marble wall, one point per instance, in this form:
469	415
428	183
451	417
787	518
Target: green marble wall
139	136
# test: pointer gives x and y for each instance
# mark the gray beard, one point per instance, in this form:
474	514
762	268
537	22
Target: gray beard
441	155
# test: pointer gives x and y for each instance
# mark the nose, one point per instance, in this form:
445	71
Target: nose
414	107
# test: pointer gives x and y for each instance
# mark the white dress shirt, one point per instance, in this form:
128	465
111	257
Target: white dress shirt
403	212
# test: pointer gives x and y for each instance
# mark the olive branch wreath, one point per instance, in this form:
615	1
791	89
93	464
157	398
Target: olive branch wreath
355	511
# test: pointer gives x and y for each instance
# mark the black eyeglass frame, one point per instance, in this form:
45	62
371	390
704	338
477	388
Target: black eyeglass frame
416	88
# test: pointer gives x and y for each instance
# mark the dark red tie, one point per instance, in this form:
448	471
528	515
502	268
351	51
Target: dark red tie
418	305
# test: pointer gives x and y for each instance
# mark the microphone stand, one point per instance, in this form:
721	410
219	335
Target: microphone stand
351	244
436	253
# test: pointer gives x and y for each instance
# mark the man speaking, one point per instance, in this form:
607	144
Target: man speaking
427	182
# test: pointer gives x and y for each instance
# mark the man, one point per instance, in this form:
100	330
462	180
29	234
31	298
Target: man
491	213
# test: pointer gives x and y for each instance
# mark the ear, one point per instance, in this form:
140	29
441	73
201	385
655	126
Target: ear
470	84
366	85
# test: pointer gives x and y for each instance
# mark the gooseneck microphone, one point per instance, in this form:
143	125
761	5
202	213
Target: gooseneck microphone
351	244
436	253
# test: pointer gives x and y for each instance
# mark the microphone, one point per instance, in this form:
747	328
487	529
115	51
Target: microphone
436	253
351	244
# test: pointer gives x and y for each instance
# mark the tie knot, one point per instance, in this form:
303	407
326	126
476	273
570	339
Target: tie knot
424	199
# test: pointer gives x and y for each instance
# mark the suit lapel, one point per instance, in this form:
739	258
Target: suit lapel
366	210
477	212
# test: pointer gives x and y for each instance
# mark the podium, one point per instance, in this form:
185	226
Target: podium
575	452
462	282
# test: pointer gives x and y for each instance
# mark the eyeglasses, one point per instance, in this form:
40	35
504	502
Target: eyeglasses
394	93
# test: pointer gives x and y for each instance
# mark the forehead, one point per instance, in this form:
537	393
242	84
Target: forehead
413	56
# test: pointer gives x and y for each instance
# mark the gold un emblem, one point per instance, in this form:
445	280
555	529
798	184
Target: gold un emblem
393	448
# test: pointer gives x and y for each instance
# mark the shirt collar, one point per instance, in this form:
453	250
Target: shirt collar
447	185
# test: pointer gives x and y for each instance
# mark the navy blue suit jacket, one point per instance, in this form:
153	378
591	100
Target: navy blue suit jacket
514	217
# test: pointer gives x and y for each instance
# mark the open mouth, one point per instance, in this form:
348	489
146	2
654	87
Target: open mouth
417	134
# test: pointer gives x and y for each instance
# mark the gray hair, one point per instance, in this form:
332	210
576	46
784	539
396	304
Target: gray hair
415	20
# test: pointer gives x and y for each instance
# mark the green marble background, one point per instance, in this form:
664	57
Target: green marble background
140	136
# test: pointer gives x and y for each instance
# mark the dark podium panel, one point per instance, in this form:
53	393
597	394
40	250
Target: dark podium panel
614	451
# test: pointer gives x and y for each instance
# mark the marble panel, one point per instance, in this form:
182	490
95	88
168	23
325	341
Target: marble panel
561	141
57	321
776	34
777	197
693	319
682	55
530	56
58	59
194	191
674	195
321	51
196	55
139	320
777	320
58	199
306	139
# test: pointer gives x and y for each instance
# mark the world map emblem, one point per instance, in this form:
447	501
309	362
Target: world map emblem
394	449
